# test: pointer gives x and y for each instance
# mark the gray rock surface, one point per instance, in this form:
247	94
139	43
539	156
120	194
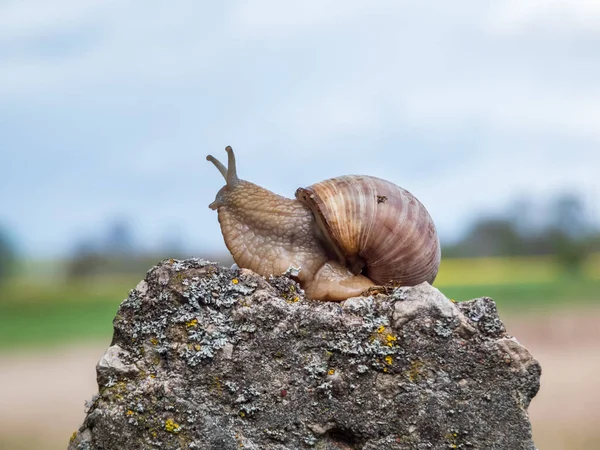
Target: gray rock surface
204	357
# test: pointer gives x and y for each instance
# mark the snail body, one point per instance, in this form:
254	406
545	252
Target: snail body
345	234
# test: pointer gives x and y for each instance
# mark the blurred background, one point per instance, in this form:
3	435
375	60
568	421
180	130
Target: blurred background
488	112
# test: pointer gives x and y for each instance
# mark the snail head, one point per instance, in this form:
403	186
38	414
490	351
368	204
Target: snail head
230	175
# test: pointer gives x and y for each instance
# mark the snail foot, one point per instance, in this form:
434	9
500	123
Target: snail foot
386	289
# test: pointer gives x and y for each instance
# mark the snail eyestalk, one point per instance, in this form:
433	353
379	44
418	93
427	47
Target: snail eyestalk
232	178
229	172
218	165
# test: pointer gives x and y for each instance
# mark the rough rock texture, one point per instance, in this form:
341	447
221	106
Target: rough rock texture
210	358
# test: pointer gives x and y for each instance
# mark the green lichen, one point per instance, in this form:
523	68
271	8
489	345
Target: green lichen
416	371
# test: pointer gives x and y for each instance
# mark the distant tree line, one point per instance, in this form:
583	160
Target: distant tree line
7	255
563	230
117	252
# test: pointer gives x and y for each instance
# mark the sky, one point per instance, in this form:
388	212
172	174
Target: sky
108	108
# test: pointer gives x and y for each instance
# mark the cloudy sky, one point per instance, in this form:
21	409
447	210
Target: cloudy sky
108	108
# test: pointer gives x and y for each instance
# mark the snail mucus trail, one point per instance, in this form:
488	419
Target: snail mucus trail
345	234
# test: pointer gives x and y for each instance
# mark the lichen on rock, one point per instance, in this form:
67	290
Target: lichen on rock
204	357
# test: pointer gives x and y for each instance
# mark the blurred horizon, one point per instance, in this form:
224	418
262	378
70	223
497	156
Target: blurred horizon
561	228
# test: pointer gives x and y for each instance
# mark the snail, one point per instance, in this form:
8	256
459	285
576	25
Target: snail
345	235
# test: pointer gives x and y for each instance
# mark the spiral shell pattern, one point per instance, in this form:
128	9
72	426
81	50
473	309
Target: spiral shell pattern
377	228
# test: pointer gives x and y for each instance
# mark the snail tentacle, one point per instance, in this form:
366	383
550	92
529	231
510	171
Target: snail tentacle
219	165
232	178
229	172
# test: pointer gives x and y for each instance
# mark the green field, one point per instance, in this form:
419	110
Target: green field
45	314
531	297
39	313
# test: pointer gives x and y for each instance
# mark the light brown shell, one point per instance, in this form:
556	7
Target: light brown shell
377	227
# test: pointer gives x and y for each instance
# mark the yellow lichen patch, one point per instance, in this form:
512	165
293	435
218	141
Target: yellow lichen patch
380	329
239	439
390	338
197	347
172	427
452	300
235	281
154	341
129	412
331	372
389	360
73	436
191	323
451	438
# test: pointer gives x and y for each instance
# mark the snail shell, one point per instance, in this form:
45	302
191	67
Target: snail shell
376	228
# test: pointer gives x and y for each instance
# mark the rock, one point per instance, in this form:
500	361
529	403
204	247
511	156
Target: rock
205	357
